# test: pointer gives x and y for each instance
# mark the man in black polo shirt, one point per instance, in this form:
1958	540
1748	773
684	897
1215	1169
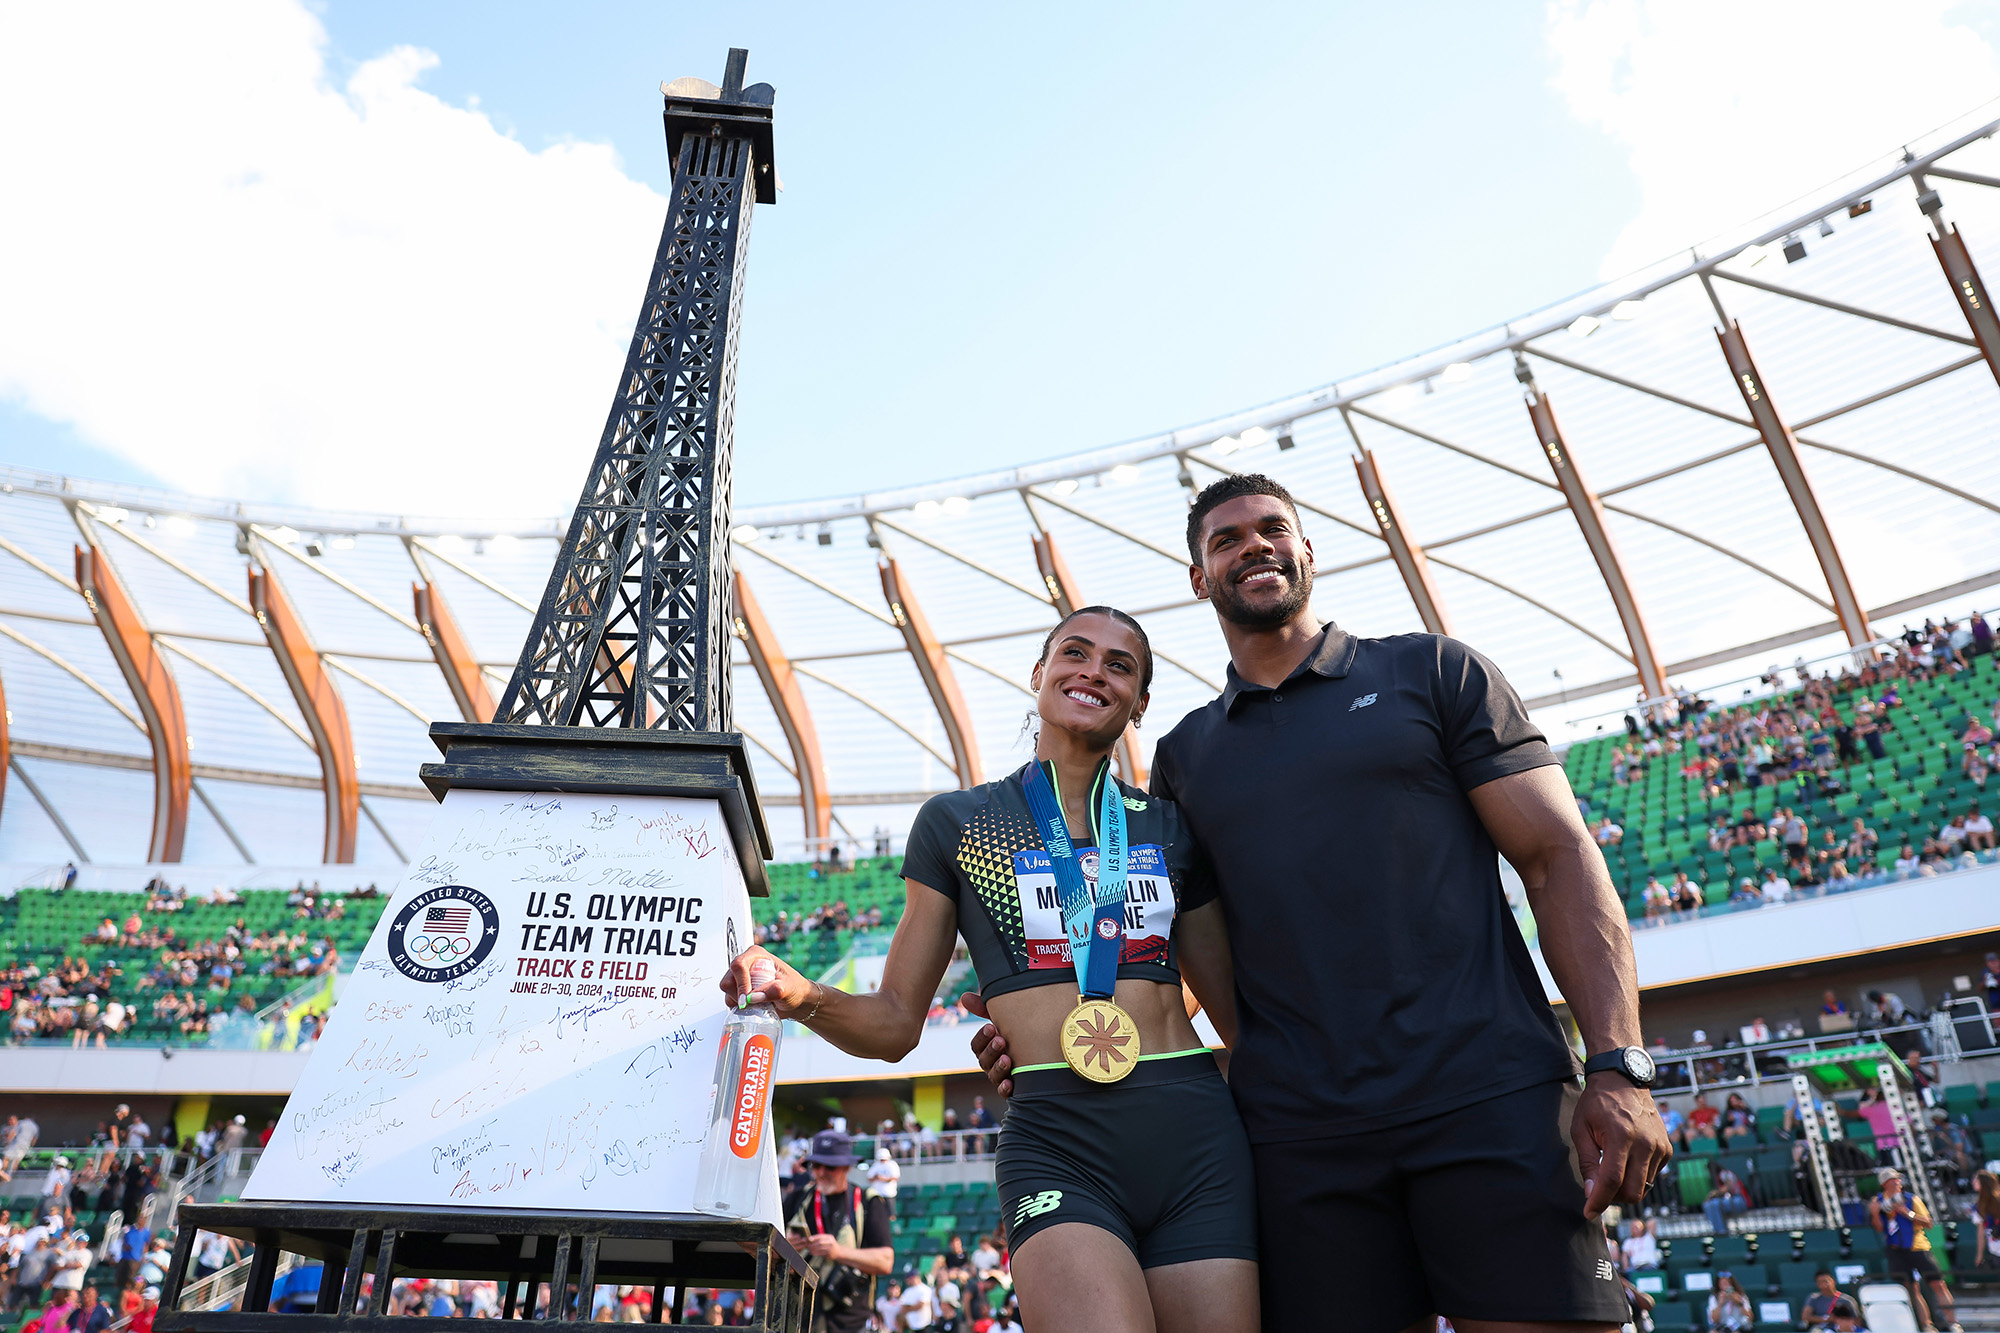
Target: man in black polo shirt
1410	1099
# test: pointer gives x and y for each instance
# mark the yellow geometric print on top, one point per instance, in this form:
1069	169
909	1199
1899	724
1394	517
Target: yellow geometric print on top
986	848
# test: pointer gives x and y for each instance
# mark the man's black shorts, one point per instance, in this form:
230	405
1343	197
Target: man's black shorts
1473	1214
1912	1265
1158	1159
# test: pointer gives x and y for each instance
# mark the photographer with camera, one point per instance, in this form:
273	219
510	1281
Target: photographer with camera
847	1239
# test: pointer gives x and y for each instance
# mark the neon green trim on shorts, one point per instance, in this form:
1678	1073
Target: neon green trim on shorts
1163	1055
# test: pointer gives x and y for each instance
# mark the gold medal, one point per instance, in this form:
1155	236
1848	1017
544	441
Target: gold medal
1100	1041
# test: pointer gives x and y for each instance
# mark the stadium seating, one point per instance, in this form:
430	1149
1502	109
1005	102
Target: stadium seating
1904	796
44	926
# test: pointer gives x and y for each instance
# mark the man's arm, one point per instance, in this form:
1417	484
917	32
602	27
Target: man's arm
1533	820
1201	938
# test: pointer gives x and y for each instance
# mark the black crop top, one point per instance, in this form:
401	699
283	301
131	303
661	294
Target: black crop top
982	846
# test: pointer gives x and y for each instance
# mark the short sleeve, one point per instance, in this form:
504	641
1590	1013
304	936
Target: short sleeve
930	853
875	1229
1194	875
1487	733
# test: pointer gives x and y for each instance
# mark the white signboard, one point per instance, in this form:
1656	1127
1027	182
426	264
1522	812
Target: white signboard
534	1022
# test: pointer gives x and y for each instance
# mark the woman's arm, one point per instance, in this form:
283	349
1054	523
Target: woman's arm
882	1026
1201	938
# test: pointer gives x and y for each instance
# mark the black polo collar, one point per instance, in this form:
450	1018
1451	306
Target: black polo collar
1332	656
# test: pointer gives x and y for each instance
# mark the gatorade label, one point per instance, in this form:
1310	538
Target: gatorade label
753	1094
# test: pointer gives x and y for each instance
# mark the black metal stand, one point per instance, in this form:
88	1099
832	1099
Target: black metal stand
654	1250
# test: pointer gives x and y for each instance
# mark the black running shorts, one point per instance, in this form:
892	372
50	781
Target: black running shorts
1476	1213
1912	1265
1158	1159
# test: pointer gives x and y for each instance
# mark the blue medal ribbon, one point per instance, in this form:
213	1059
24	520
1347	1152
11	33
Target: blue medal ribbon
1095	923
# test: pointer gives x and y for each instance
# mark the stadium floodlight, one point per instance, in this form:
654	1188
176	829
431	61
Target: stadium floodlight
1795	249
1067	486
1403	395
1865	206
742	532
1458	372
825	534
507	543
1585	325
451	541
927	510
113	514
1628	310
1285	440
285	536
347	543
1826	227
1227	445
1253	437
180	525
1124	474
954	505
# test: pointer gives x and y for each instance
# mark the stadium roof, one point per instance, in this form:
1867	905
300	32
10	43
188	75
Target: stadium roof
1860	340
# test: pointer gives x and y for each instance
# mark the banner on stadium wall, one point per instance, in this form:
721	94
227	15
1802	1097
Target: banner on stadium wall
534	1021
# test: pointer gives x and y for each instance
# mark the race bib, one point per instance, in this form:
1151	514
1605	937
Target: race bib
1149	905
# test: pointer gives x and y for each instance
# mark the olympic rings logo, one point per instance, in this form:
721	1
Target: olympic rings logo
438	948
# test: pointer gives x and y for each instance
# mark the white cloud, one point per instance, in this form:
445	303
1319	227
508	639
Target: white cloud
255	282
1734	107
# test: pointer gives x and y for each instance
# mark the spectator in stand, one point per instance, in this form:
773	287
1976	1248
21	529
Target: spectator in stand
1659	898
889	1308
1728	1308
1889	1009
1737	1117
1688	898
1746	892
72	1263
1862	843
883	1174
1702	1116
1818	1309
1607	833
92	1315
142	1322
1776	888
919	1303
133	1243
1903	1220
1641	1249
1728	1199
1986	1217
1989	981
1907	863
1953	1146
55	1319
1978	831
19	1133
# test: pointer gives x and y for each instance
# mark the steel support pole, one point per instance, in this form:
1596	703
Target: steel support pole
1068	598
1973	301
321	707
1818	1131
454	657
788	701
1589	514
153	690
1410	560
1777	437
934	669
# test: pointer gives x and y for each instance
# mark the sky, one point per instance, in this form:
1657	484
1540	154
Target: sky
388	256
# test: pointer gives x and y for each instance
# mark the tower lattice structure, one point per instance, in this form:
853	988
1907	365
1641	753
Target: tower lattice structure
632	629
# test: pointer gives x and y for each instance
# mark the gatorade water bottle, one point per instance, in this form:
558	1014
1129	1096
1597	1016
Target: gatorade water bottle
732	1168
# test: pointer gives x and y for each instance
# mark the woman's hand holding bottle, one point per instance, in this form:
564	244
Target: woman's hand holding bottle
756	976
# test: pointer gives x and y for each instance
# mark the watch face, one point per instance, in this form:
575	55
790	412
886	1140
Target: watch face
1638	1065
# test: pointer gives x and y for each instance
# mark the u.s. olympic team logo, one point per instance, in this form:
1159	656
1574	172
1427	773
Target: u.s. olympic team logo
443	933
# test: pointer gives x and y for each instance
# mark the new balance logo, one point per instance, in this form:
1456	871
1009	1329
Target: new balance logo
1605	1272
1362	702
1037	1204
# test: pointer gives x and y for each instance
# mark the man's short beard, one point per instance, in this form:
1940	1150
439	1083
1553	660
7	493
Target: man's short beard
1230	605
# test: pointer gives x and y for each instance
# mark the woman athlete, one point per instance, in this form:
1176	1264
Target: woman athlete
1127	1202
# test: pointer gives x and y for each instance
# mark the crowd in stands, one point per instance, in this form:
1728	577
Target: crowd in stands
1836	781
827	918
167	965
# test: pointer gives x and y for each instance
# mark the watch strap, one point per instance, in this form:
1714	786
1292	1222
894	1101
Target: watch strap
1611	1061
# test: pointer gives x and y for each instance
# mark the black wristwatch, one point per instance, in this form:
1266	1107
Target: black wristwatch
1631	1061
